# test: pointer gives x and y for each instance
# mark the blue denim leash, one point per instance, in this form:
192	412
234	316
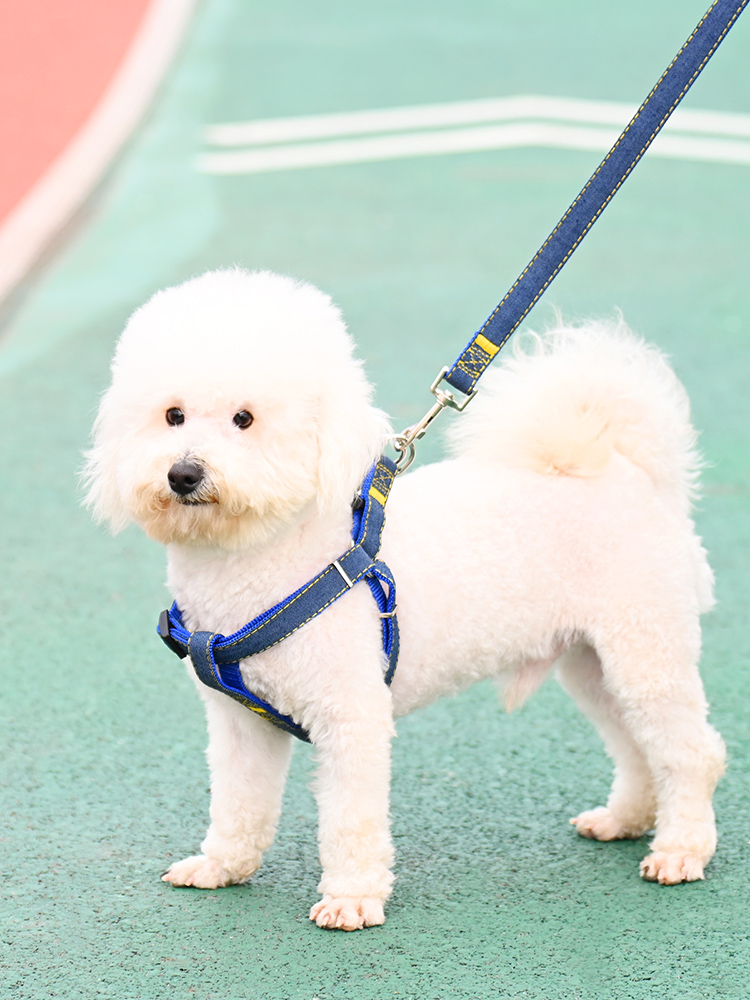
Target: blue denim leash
564	239
216	657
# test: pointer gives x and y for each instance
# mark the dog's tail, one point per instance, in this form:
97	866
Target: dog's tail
574	396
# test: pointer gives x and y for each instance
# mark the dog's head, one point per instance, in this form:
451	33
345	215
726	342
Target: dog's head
235	405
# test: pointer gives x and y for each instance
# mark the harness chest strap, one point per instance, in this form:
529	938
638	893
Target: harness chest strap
216	658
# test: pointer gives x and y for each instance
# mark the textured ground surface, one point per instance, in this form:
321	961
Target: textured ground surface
102	768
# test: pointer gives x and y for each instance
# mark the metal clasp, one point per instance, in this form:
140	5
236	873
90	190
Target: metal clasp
342	572
405	442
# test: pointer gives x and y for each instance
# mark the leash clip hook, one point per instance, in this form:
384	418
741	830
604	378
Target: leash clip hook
405	442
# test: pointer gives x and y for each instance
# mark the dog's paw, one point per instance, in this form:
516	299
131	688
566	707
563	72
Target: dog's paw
599	824
348	913
672	867
198	871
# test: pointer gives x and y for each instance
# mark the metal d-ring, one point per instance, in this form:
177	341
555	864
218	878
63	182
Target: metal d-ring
405	445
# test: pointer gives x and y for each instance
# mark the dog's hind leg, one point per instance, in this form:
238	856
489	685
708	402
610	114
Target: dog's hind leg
649	669
631	806
248	759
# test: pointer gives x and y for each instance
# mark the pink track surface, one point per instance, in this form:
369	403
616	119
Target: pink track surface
56	59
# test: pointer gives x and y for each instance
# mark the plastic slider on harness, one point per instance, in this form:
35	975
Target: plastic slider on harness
216	658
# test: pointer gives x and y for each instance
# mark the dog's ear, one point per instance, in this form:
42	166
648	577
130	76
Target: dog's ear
99	476
351	435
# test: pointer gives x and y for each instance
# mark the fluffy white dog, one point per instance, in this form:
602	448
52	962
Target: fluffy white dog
236	431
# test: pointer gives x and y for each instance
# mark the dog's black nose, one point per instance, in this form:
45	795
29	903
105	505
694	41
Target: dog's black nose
185	477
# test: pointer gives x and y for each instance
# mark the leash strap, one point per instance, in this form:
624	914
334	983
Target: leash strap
216	657
594	198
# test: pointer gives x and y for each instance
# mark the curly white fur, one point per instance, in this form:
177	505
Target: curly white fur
559	535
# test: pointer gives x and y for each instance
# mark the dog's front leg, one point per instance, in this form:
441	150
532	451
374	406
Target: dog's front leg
352	790
248	759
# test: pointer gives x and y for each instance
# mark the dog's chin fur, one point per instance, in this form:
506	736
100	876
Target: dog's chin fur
562	521
202	523
215	518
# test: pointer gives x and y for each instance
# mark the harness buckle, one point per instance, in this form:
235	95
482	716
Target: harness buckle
388	614
166	636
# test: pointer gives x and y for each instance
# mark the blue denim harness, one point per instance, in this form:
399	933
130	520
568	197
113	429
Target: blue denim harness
216	657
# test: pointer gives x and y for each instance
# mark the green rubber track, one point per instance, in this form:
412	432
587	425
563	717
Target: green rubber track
102	769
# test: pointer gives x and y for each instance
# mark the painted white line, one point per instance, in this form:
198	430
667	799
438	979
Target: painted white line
411	118
683	147
427	116
464	140
390	147
65	185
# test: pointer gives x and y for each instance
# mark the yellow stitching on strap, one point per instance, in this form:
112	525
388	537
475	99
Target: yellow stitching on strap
481	341
378	496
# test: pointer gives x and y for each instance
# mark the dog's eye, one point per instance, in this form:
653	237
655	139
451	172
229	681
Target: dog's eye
243	419
175	416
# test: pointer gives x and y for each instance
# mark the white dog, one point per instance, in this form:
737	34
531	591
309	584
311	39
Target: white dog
236	431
